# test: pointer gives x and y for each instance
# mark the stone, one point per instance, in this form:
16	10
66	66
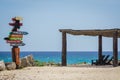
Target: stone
27	61
24	62
2	65
10	66
30	59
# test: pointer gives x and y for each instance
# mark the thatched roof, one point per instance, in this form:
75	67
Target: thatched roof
104	32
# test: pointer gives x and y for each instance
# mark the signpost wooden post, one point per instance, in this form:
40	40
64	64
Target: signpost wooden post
15	55
15	39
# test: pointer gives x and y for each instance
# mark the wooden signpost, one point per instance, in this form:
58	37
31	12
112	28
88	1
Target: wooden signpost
15	39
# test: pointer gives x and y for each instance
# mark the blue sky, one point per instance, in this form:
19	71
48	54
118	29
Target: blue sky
43	18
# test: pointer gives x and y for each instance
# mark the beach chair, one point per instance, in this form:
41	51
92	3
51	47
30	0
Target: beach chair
105	60
97	62
108	62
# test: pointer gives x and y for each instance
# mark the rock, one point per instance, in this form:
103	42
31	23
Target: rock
27	61
30	59
2	65
10	65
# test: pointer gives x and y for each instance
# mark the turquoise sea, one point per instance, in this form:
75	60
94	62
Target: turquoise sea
52	56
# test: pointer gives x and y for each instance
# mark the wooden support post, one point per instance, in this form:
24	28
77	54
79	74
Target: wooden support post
15	55
64	49
100	49
115	49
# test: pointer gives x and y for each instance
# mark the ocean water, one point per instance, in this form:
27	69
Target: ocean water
72	57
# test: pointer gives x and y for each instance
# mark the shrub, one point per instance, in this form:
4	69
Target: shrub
39	63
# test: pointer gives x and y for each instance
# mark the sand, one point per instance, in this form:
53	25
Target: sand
62	73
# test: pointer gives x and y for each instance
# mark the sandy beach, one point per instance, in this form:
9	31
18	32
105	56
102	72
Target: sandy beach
62	73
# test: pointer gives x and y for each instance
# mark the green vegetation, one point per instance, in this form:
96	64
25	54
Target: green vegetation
50	63
39	63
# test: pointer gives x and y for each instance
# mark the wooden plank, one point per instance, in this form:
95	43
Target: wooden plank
94	32
17	44
15	36
64	49
15	24
115	49
14	41
19	32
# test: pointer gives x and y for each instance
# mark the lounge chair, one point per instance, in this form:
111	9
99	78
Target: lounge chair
108	62
97	62
105	59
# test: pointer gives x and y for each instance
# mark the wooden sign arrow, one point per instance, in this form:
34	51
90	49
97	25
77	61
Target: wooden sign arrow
14	41
14	24
18	44
16	36
19	32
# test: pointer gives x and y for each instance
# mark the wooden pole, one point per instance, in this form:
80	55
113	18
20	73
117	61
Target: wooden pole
64	49
115	49
15	55
100	49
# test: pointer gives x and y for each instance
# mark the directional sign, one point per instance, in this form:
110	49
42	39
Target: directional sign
21	44
19	32
15	24
6	38
15	36
14	41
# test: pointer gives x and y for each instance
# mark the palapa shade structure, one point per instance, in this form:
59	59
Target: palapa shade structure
105	32
113	33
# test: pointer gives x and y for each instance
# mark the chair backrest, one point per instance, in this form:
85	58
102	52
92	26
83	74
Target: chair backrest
106	58
110	60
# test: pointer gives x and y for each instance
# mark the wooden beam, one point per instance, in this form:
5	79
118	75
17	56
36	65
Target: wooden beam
115	49
64	49
94	32
100	49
